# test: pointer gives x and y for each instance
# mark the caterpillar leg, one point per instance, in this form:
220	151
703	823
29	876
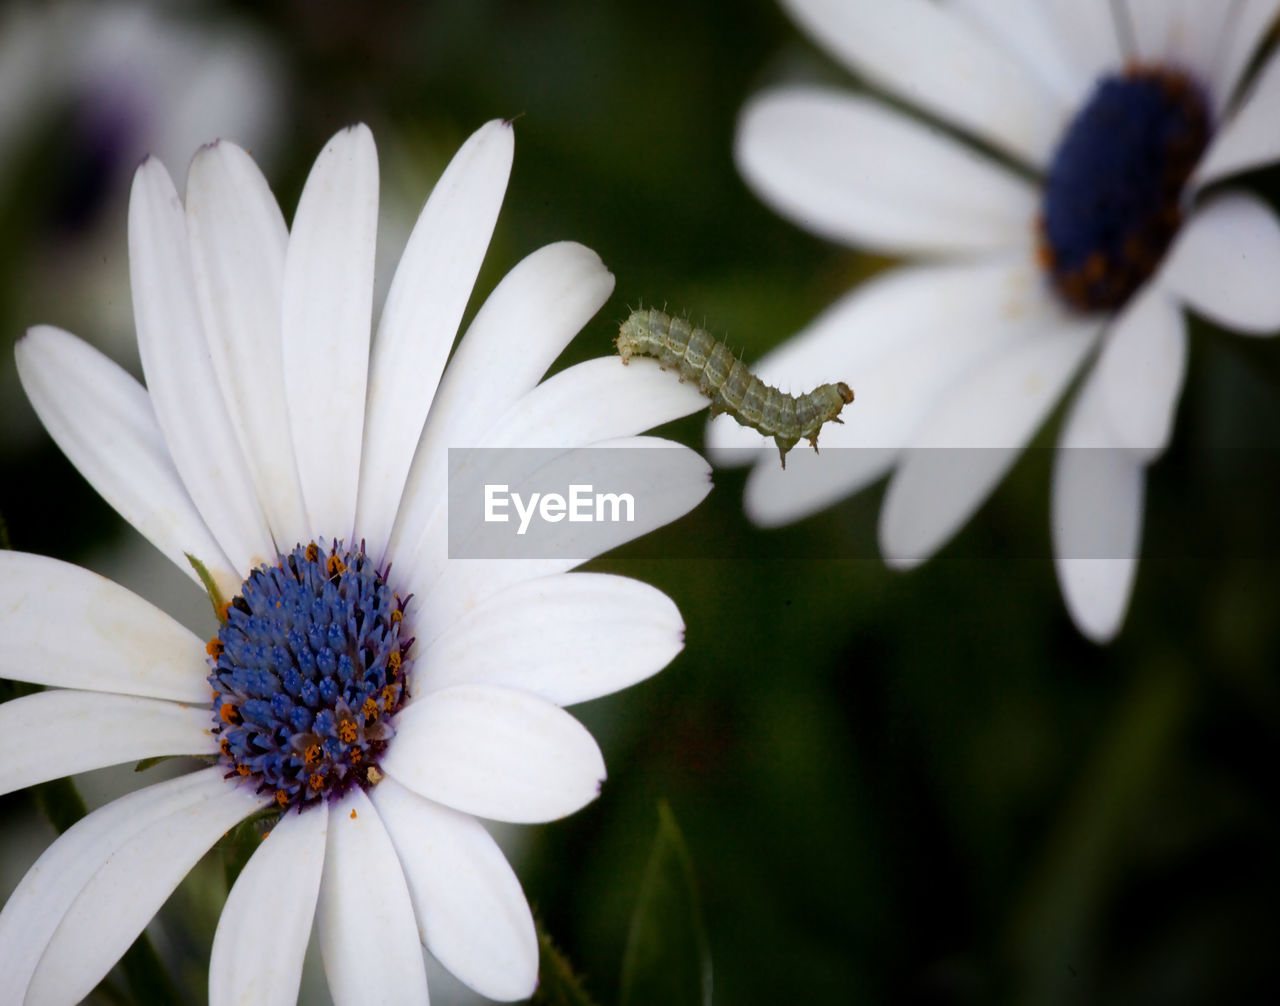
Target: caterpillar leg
784	444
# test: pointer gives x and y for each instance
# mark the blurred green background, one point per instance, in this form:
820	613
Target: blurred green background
915	788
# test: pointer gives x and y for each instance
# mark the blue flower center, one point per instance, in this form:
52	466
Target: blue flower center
1112	199
307	672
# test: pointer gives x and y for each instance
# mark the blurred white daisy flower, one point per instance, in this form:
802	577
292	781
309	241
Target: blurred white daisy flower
380	694
1078	244
88	88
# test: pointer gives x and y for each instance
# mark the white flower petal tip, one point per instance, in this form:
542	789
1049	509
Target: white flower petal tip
1249	138
1096	509
264	926
1225	261
103	421
972	438
497	753
472	912
567	638
326	316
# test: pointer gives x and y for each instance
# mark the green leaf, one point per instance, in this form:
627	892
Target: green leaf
667	960
558	983
215	595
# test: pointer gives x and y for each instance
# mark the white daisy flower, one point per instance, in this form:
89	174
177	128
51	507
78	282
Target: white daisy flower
378	692
1079	245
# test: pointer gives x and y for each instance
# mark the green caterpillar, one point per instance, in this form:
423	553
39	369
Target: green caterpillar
732	388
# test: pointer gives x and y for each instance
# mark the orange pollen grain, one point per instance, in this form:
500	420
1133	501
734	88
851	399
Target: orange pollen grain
316	781
370	710
353	813
335	566
224	746
313	552
229	714
282	798
346	732
214	647
388	696
397	615
355	756
312	755
393	661
243	769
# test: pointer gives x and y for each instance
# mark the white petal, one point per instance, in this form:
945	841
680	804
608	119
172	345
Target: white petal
1096	521
1225	261
133	880
62	625
590	402
238	240
1141	369
472	913
547	298
900	340
327	307
368	933
52	734
1086	31
102	420
424	306
180	378
973	437
495	752
567	638
849	169
1248	139
44	895
263	929
665	480
1182	33
1254	18
936	60
1028	36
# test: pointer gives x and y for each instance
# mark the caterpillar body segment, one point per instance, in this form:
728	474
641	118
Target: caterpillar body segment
727	381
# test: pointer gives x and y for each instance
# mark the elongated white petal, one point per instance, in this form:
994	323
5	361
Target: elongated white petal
972	438
926	54
1026	34
368	933
51	734
102	420
1140	371
175	359
264	926
326	314
495	752
1086	31
1096	508
1182	33
430	291
471	910
850	169
131	883
62	625
1242	36
1248	138
588	403
664	479
547	298
901	340
1225	261
238	240
42	898
567	638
